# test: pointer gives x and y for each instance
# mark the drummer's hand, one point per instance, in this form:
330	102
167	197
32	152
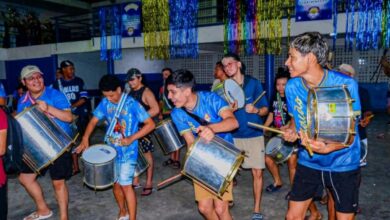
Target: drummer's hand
126	141
284	128
316	146
42	105
83	145
205	133
366	119
290	135
250	108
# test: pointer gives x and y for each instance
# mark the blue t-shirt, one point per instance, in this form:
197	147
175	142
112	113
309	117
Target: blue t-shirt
53	98
2	91
131	115
342	160
252	89
74	91
208	107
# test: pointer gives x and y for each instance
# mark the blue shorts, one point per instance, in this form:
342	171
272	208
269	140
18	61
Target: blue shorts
125	172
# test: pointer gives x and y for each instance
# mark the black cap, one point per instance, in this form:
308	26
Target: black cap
66	63
133	72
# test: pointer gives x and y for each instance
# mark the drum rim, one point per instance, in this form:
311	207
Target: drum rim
99	187
163	122
276	137
224	92
95	145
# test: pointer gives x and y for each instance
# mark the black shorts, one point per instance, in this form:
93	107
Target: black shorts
146	144
344	186
59	170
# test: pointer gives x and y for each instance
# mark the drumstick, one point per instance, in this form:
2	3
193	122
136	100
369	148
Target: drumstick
279	132
170	179
258	98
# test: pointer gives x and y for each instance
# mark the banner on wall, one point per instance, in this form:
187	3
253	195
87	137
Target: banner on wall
131	19
310	10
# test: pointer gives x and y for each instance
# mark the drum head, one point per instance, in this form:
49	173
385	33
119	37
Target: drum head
273	145
233	92
97	154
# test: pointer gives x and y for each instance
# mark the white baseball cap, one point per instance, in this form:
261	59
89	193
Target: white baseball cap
348	69
29	70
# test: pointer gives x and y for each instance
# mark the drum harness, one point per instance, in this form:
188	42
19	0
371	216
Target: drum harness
114	120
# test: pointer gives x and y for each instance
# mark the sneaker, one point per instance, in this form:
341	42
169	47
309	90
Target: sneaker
257	216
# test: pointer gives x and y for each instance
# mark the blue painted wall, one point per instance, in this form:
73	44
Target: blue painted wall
47	65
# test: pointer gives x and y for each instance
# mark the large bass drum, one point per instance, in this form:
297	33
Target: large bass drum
99	166
330	115
168	137
213	165
44	141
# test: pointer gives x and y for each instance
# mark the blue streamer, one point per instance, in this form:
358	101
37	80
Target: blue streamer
387	37
116	32
335	24
183	32
103	34
369	24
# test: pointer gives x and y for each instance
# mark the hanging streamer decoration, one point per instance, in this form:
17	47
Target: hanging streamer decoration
155	17
369	24
334	34
183	31
116	32
350	24
269	16
386	24
103	34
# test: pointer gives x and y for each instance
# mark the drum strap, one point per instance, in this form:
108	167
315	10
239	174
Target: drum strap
115	118
200	120
280	107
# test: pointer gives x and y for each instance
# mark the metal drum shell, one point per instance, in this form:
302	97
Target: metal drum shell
199	166
280	149
44	141
99	175
168	137
142	164
317	100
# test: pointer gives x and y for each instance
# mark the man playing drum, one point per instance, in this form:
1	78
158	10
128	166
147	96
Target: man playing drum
201	114
56	106
146	98
130	117
73	87
166	107
249	139
333	165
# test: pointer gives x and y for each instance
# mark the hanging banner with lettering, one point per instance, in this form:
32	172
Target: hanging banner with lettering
131	19
310	10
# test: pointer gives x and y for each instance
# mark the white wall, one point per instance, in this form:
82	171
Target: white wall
88	67
134	58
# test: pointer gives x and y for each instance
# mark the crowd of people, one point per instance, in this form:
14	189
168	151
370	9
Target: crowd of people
315	165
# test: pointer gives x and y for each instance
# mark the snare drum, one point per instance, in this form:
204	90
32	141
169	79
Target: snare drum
278	150
99	166
231	91
168	137
44	141
142	164
330	115
213	165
